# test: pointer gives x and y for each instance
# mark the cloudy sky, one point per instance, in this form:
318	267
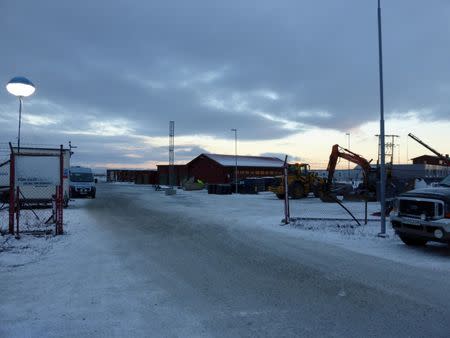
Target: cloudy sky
293	76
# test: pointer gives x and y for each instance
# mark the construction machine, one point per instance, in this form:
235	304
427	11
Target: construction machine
367	190
301	181
445	159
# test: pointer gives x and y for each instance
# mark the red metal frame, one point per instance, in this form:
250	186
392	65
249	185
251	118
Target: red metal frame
14	200
60	195
17	211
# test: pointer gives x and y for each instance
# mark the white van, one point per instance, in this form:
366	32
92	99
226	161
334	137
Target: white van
82	183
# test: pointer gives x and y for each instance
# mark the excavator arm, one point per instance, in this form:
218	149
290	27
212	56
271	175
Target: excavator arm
340	152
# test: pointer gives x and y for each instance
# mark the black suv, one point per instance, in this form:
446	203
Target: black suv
423	215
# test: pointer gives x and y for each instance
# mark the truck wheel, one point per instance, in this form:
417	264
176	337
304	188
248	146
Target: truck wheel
296	191
316	192
413	241
280	196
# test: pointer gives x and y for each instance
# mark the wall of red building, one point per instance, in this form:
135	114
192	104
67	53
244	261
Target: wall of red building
208	171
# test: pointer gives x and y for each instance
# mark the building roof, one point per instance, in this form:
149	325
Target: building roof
426	156
175	165
246	161
431	159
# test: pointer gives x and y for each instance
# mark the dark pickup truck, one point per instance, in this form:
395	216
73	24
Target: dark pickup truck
423	215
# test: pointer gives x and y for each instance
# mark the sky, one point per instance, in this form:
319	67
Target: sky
294	77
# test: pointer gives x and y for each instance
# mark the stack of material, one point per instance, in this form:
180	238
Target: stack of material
193	184
220	189
254	184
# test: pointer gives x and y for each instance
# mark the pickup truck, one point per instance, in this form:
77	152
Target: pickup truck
423	215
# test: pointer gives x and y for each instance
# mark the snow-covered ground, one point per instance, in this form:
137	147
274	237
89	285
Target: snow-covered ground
31	248
262	212
265	212
136	262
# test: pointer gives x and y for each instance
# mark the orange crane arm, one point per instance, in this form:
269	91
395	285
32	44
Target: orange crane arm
442	157
339	152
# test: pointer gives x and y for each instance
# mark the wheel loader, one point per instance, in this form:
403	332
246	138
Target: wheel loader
301	181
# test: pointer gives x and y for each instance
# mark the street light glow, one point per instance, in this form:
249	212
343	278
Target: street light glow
20	86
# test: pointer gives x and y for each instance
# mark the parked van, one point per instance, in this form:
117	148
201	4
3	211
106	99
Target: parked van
82	183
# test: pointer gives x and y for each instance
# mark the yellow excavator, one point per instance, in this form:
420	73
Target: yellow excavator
301	181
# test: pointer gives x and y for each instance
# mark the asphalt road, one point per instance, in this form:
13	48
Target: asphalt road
153	273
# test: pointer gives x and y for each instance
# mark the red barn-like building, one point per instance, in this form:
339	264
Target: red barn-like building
215	168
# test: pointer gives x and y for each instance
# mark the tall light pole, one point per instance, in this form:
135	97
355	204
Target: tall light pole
235	161
21	87
382	141
348	162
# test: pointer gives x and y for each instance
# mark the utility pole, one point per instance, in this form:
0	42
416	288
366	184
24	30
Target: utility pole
382	142
389	150
171	190
235	161
20	122
70	148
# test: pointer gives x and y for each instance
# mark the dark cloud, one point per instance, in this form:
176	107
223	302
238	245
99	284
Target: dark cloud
270	68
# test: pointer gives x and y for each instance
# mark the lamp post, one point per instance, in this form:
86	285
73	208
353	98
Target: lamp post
21	87
235	160
382	141
348	162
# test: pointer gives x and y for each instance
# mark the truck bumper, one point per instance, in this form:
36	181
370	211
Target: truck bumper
438	231
81	192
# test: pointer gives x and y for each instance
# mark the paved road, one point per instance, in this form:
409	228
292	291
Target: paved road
149	273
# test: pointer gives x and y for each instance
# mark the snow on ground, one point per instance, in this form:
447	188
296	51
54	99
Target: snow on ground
265	212
30	248
262	212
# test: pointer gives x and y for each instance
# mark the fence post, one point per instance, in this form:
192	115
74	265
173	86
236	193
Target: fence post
365	210
59	195
17	212
11	193
287	216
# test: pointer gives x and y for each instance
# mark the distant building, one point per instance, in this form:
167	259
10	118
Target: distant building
342	175
130	175
428	159
429	172
180	174
216	168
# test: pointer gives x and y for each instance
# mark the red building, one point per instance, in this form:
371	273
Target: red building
127	175
215	168
180	173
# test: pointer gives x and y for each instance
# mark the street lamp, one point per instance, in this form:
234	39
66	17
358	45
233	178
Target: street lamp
348	162
235	160
21	87
382	142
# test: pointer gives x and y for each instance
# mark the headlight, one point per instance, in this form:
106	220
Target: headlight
396	206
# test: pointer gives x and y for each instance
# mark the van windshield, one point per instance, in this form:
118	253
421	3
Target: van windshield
81	177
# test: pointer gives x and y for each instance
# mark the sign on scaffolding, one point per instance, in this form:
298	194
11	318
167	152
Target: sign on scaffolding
37	171
36	197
